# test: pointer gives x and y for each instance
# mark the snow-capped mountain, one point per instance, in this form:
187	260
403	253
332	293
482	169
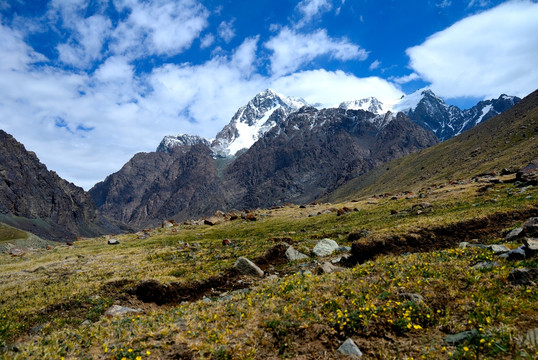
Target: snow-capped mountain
253	120
370	104
431	112
170	142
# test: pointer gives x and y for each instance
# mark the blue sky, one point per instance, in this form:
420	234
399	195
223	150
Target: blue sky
87	84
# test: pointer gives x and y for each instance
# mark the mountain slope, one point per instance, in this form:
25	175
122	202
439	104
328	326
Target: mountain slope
506	141
315	150
37	200
157	186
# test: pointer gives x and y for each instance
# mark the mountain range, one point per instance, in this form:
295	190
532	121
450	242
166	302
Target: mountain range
276	149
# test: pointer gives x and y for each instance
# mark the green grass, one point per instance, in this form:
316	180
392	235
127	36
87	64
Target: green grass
53	302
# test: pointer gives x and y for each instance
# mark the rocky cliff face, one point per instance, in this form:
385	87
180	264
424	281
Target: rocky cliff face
156	186
37	200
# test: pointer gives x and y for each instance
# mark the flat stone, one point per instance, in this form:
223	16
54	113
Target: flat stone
486	265
531	244
113	242
117	310
514	234
455	339
516	254
498	249
294	255
325	247
327	268
416	298
247	267
350	348
523	276
531	338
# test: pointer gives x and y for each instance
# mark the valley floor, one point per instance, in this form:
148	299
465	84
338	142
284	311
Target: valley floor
416	292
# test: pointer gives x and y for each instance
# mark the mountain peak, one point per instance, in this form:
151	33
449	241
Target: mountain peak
170	142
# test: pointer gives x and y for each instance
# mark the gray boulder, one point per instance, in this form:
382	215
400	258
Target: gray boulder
117	310
523	276
246	267
350	348
113	242
325	247
294	255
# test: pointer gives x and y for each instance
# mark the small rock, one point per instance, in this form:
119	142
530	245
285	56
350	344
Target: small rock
350	348
16	252
327	268
485	265
358	234
226	242
167	224
530	228
528	174
86	323
531	246
117	310
516	254
523	276
344	249
531	338
455	339
416	298
113	242
325	247
498	249
294	255
247	267
211	221
514	234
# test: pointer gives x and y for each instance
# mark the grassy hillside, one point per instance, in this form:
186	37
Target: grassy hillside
194	306
509	140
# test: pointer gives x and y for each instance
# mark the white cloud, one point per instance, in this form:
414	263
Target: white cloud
226	30
329	88
312	8
87	41
291	50
158	27
374	65
483	55
444	4
207	41
405	79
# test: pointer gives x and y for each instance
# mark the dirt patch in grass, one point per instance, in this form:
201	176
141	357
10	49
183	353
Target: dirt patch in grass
156	292
441	237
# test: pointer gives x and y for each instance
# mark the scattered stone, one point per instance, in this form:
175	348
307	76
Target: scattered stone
294	255
247	267
523	276
350	348
117	310
37	328
167	224
530	228
344	249
211	221
455	339
358	234
516	254
16	251
343	211
226	242
531	338
70	243
531	246
313	214
423	205
86	323
528	174
113	242
498	249
464	244
485	265
393	212
514	234
416	298
327	268
325	247
39	268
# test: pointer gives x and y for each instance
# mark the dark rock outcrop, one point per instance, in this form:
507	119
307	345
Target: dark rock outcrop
37	200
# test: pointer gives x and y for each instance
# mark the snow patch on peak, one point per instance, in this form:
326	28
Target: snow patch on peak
170	142
370	104
410	102
485	110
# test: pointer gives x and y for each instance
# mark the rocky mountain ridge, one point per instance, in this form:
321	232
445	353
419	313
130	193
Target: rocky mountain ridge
37	200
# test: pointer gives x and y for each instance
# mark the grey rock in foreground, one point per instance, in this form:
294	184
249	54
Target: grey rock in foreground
294	255
523	276
350	348
325	247
117	310
246	267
